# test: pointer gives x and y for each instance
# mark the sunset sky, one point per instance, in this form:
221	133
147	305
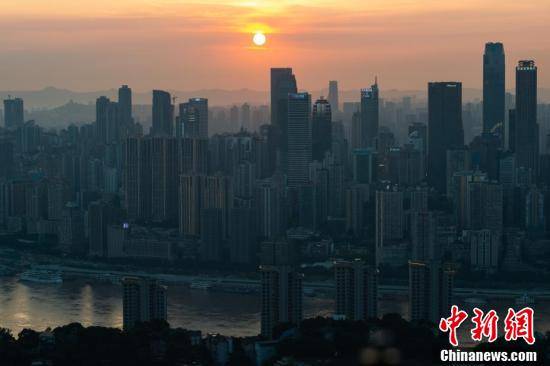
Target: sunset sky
199	44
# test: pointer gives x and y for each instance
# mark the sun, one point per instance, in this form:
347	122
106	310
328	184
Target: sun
259	39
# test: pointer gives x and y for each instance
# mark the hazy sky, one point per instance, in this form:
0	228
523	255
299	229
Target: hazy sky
196	44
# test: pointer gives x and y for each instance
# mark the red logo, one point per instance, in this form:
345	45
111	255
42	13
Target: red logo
517	324
452	323
485	325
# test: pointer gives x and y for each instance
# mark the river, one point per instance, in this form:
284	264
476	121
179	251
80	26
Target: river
38	306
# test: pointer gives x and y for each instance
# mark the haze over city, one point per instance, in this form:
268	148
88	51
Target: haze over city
268	183
200	44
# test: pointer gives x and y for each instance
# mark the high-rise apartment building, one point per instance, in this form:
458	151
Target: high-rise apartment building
389	216
430	290
281	288
211	226
163	113
268	198
13	113
458	160
357	197
107	121
151	178
100	216
423	236
143	300
193	156
243	235
200	192
356	290
245	117
477	201
364	165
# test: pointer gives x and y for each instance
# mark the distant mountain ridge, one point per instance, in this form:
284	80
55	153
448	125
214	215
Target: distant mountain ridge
52	97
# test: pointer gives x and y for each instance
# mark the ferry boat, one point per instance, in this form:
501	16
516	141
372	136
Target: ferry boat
309	292
109	277
200	285
475	302
525	300
41	276
235	289
6	271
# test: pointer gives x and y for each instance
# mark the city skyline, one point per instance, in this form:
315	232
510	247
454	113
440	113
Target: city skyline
333	214
156	44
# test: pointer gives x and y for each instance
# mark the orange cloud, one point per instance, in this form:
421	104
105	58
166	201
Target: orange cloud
192	44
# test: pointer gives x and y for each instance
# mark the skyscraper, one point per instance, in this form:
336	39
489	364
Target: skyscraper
444	128
356	290
299	138
526	128
163	113
493	88
321	122
143	300
13	113
333	97
283	82
106	120
369	116
193	119
125	106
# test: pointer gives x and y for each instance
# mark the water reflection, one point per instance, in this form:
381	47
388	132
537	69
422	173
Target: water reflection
38	306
